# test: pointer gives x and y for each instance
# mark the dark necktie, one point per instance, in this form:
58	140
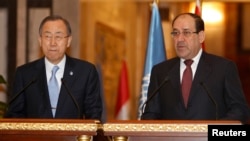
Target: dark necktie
187	81
53	90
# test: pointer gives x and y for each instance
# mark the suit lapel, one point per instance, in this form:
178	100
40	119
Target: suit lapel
67	82
174	75
202	74
42	86
41	73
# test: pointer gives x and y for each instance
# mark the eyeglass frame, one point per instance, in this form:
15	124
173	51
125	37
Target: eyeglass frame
49	37
176	34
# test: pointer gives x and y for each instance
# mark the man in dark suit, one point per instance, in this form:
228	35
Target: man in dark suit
216	92
79	87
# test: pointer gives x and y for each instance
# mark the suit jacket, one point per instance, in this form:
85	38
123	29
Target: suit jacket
79	95
216	92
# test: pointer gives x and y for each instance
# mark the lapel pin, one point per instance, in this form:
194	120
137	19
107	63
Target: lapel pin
71	73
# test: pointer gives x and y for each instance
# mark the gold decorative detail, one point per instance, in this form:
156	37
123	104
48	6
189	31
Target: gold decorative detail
48	126
157	127
84	138
120	138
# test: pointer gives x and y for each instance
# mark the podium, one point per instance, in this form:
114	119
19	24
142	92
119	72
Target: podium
47	129
118	130
161	130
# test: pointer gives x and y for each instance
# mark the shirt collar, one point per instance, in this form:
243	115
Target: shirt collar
195	59
61	64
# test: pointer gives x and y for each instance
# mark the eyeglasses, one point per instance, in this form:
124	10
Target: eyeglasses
49	37
176	34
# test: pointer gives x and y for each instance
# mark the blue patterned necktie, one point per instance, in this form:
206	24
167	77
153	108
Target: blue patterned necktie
53	90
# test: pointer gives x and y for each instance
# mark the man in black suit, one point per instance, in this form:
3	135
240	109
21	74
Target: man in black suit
216	92
78	81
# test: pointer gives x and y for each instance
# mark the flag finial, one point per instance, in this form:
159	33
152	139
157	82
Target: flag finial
154	2
2	80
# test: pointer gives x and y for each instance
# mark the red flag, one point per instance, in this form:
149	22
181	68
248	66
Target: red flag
198	8
198	12
122	103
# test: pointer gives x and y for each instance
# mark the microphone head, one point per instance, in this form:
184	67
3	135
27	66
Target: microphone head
166	79
34	80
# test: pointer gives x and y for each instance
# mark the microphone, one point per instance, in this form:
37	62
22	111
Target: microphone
72	97
22	90
212	99
154	93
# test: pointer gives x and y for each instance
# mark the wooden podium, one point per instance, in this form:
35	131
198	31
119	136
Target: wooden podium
161	130
47	129
115	130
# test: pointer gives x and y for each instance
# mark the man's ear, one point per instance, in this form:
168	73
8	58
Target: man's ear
201	36
69	41
40	40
